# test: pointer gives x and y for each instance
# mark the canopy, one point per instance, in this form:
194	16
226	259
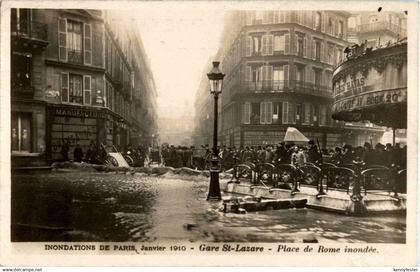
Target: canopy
294	135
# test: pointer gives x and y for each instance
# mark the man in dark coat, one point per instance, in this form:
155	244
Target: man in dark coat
313	153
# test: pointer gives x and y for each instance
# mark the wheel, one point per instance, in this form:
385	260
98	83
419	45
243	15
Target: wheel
111	161
129	160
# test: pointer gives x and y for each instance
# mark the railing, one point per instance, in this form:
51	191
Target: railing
352	178
382	26
75	56
273	86
30	29
22	89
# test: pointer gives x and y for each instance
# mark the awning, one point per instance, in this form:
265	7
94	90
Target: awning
294	135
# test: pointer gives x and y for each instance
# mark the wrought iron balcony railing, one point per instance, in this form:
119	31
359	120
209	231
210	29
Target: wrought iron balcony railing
22	89
293	86
30	29
75	56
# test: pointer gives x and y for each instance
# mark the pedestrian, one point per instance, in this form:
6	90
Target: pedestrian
314	155
78	153
298	158
65	150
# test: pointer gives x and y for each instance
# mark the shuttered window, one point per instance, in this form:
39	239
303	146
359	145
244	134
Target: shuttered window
285	113
267	45
287	43
292	113
248	52
246	113
64	87
307	113
87	90
88	44
62	39
266	115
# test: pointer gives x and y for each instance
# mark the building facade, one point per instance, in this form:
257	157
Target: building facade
376	28
77	77
279	67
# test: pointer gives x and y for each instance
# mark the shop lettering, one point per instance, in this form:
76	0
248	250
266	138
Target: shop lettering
79	113
369	100
355	86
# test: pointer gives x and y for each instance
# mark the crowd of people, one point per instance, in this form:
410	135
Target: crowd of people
282	153
287	153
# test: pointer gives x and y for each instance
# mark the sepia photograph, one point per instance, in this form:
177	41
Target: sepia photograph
191	131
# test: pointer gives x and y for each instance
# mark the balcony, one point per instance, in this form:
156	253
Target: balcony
378	26
22	89
75	56
31	30
289	86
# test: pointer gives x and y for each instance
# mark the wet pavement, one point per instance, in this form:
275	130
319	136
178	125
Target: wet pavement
90	206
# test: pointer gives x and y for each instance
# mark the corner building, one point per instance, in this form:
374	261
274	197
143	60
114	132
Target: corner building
279	67
78	76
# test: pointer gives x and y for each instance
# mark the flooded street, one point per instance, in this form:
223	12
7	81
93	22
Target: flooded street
86	206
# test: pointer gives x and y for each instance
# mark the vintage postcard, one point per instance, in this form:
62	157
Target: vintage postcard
208	133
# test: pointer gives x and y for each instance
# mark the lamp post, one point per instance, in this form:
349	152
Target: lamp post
216	82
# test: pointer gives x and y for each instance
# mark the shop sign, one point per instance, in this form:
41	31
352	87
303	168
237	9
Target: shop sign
83	113
371	99
351	87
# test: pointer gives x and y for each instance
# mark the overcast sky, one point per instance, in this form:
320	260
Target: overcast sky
179	41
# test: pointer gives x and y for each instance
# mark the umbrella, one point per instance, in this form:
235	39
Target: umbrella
294	135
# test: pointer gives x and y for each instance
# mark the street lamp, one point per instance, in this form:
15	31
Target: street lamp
216	81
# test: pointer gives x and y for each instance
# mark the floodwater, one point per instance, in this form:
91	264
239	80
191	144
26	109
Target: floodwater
85	206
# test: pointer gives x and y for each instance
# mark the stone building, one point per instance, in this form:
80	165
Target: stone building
279	67
77	77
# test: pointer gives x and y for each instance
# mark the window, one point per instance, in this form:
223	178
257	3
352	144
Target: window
266	115
300	45
298	112
259	14
268	17
330	26
246	113
277	112
318	77
318	21
76	89
255	113
267	45
279	43
21	71
279	17
338	57
330	54
300	73
307	111
323	115
74	41
21	21
267	76
21	132
340	28
256	45
278	78
257	77
318	50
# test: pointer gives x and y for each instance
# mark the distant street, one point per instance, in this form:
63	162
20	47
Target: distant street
85	206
